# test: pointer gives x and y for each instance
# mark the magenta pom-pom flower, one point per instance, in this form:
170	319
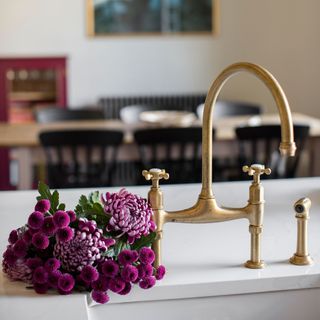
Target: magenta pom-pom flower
35	220
13	237
129	273
66	283
146	255
61	219
95	248
100	296
147	282
40	240
64	234
20	248
42	205
49	228
52	264
89	274
126	289
161	271
145	270
33	263
72	215
40	275
101	284
53	278
128	257
110	268
116	284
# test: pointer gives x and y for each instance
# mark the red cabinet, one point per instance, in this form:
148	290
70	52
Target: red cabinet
25	85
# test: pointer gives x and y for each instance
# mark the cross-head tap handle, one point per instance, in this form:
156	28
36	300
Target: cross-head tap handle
256	170
155	175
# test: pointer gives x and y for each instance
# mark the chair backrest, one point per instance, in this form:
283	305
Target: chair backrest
47	115
178	150
225	108
80	158
260	144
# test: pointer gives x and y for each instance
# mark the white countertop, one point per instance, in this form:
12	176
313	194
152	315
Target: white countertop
202	260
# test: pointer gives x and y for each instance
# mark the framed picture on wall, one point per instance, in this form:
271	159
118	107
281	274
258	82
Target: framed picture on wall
152	17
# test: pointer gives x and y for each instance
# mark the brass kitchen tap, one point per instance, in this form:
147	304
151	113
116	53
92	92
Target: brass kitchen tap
206	209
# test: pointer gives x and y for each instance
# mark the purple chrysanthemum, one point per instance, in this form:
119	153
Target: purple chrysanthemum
160	272
53	278
127	257
146	255
49	228
40	240
129	273
87	225
35	220
109	242
27	236
101	284
66	283
13	237
71	215
130	213
83	249
42	205
61	219
100	296
64	234
89	274
20	248
33	263
40	275
110	268
116	284
9	257
147	282
16	269
52	264
126	289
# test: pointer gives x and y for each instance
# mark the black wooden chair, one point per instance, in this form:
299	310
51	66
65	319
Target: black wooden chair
260	144
226	108
178	150
80	158
47	115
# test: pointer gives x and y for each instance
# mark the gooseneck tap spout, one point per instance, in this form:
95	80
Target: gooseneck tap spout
287	146
206	209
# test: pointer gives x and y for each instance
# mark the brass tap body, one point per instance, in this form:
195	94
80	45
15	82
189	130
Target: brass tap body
206	209
302	257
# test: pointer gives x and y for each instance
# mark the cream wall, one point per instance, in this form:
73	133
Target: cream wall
281	35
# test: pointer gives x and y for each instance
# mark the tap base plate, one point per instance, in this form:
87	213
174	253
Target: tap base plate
301	260
255	265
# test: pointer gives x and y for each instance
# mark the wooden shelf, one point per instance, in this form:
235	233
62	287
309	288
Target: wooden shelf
32	96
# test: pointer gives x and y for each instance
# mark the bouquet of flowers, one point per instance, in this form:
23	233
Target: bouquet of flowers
104	244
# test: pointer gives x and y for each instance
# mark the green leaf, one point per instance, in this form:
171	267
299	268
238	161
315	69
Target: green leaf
144	241
94	197
55	200
109	253
61	206
120	245
91	208
45	193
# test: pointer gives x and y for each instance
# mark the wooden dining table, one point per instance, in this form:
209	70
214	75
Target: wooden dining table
24	143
